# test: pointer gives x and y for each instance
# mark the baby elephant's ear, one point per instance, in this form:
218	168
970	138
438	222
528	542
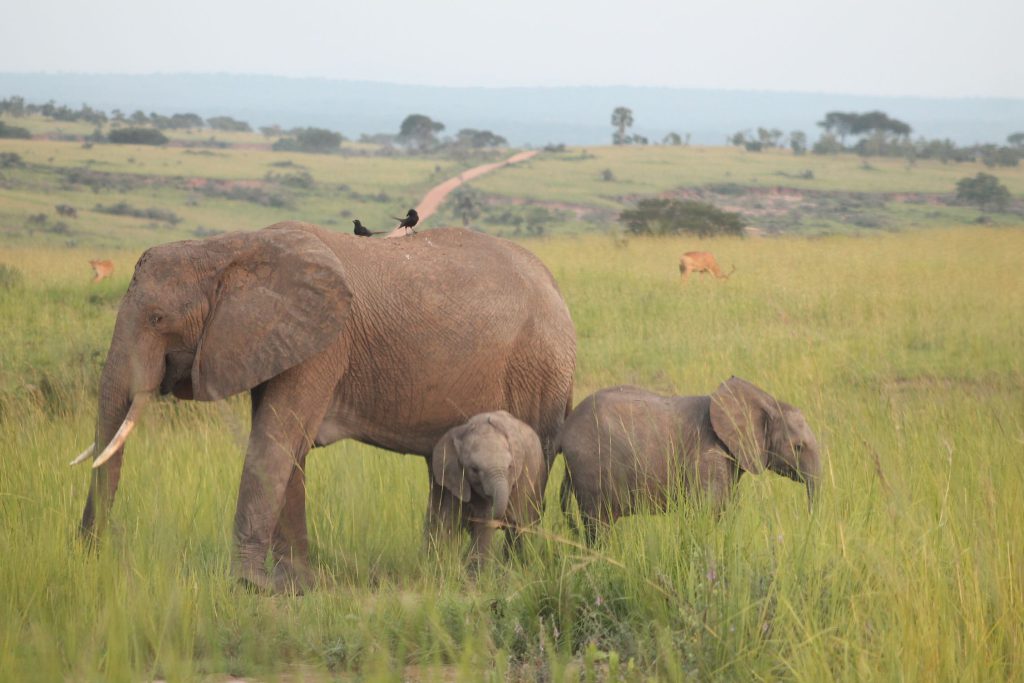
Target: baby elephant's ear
447	468
739	416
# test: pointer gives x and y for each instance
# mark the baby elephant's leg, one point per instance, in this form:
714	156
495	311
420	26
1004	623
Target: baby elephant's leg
481	533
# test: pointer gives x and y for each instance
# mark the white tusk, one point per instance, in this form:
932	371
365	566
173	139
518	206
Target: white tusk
84	454
123	431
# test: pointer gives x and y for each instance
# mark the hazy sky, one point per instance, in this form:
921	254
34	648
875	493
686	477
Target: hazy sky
874	47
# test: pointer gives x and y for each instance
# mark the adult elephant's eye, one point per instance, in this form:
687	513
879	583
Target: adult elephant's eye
155	319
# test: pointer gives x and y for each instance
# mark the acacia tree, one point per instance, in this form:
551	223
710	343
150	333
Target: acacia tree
622	118
419	131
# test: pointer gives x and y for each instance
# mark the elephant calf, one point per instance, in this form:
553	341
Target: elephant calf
626	448
489	469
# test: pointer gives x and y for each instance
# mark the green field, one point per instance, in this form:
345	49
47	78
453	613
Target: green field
903	349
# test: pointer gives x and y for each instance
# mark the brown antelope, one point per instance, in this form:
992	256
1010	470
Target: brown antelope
701	262
102	269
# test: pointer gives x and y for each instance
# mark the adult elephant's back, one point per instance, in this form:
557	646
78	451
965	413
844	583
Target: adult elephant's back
443	326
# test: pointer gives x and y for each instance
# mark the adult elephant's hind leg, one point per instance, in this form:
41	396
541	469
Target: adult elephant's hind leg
285	420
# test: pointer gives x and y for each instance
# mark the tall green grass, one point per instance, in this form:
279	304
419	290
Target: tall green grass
904	352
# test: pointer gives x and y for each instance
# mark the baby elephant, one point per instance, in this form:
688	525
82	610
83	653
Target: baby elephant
626	448
488	469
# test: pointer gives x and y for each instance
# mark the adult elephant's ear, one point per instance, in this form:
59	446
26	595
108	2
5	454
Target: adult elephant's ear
447	468
739	416
279	299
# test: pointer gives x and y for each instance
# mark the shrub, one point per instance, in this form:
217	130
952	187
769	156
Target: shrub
125	209
671	216
14	132
984	191
299	179
11	160
137	136
314	140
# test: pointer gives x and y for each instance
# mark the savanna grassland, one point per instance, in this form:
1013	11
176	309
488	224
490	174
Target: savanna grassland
903	348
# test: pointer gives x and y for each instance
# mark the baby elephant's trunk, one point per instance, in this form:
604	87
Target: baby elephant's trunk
497	482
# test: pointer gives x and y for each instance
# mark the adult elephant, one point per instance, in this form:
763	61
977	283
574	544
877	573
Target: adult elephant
389	342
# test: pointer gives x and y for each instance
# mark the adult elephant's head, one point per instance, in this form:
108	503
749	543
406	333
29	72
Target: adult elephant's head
207	319
762	432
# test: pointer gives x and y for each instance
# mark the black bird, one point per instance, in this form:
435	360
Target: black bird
410	220
362	230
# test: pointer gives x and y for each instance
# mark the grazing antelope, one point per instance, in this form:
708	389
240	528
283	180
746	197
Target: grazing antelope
700	262
102	269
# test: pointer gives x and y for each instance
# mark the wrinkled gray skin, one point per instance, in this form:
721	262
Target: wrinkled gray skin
389	342
628	449
489	469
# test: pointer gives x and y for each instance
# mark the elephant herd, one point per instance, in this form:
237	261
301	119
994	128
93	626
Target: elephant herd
452	345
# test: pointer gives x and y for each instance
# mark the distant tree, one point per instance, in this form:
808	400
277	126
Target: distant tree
383	139
827	144
984	191
672	139
739	138
272	131
943	150
769	138
637	140
14	105
138	118
419	131
671	216
14	132
226	123
1016	140
842	124
798	142
991	155
839	124
470	137
622	118
607	175
117	116
313	140
467	204
137	136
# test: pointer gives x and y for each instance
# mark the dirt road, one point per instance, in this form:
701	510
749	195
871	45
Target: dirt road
428	205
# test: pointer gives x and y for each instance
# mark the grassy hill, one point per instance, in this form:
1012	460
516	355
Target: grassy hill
206	181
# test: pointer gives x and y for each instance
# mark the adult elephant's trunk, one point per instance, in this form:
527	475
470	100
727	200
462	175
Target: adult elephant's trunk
124	391
496	486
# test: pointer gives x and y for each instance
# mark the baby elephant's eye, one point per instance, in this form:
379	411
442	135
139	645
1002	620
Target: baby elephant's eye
155	318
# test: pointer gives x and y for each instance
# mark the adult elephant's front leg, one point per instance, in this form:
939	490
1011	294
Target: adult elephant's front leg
290	544
285	422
